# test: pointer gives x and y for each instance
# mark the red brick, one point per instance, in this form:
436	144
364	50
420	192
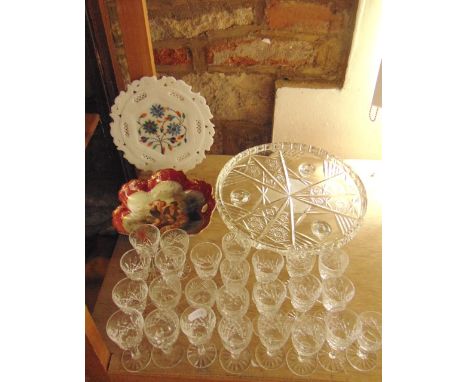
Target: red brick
255	51
171	56
305	16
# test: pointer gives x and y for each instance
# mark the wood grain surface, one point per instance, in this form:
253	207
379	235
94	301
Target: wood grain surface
134	24
365	270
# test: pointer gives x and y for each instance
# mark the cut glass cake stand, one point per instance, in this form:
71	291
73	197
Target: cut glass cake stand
291	196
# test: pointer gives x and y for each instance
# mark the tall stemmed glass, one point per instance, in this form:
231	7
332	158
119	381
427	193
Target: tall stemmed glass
332	263
175	237
337	292
126	330
234	273
232	302
145	239
268	298
304	292
201	292
342	329
179	238
130	294
206	257
135	264
170	261
165	292
236	335
299	262
198	324
273	332
267	264
362	355
162	331
308	336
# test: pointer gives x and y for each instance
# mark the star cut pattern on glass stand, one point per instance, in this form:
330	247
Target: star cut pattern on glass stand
275	200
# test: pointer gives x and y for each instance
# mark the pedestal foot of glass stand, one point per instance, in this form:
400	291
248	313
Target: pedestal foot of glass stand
331	360
235	365
138	362
301	366
166	361
201	359
268	361
361	361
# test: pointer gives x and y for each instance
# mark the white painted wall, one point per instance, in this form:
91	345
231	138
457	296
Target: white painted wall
338	120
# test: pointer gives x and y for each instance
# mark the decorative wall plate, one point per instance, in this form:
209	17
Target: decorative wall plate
291	196
161	123
167	199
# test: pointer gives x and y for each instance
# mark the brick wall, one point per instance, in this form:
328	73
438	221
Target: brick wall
234	52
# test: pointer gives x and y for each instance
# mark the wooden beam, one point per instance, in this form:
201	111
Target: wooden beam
97	355
104	44
133	19
91	122
110	43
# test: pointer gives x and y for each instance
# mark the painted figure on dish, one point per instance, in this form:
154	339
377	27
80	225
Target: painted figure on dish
168	200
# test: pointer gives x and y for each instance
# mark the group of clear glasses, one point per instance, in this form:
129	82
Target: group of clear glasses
153	268
232	301
269	293
198	321
156	265
316	337
345	331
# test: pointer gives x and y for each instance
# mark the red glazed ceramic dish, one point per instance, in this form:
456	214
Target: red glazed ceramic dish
168	199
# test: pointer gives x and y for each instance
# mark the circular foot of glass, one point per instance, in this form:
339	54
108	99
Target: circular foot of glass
331	360
302	367
266	360
166	361
203	358
234	365
361	362
133	365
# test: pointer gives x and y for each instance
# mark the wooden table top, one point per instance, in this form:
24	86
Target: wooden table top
365	270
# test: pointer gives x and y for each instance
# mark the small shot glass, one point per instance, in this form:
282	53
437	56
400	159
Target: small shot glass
135	265
206	257
332	263
267	265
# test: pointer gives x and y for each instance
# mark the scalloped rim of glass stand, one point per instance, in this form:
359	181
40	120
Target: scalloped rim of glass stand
296	146
117	109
